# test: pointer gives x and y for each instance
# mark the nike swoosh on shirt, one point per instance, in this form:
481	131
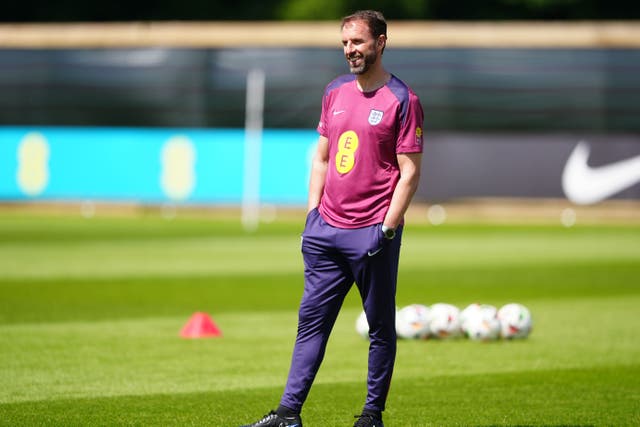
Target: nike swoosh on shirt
583	184
335	113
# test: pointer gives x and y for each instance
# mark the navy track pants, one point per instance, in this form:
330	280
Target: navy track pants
335	258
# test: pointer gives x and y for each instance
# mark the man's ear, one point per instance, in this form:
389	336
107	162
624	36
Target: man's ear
382	41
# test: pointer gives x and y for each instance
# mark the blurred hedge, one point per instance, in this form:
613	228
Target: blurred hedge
161	10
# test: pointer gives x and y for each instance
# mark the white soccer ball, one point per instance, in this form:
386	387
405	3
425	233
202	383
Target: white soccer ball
483	329
483	325
515	321
468	312
362	326
474	314
412	322
444	321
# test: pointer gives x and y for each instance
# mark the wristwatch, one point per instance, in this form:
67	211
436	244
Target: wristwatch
389	233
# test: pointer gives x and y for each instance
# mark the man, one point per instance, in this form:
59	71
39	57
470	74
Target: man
363	176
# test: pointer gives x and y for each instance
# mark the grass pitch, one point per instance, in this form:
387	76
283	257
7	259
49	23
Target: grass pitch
91	309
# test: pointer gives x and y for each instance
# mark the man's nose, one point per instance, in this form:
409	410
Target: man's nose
348	47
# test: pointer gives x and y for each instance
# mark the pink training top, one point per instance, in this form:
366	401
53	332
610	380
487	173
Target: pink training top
365	132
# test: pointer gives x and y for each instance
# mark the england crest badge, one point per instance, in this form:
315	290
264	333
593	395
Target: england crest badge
375	117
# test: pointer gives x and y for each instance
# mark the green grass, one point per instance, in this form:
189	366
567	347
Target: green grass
90	312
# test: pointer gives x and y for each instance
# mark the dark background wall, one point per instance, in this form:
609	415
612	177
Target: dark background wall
462	89
498	122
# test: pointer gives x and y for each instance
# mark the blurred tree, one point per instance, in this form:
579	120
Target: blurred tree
141	10
307	9
335	9
211	10
534	10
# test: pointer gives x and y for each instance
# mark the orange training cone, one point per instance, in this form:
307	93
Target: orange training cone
200	325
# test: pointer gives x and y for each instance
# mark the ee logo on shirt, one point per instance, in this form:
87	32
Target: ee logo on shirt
347	146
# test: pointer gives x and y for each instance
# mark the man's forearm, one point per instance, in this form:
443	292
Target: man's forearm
405	189
400	202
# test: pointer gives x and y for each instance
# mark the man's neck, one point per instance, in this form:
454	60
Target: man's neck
373	80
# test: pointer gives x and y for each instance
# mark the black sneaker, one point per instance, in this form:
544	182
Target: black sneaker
368	420
273	420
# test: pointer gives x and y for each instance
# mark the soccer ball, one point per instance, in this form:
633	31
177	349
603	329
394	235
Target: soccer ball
515	321
362	326
469	311
412	322
483	329
480	322
444	321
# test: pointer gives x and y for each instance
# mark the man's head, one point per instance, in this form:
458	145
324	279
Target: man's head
364	37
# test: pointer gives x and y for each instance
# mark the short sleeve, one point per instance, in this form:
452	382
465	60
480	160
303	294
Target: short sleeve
410	134
323	124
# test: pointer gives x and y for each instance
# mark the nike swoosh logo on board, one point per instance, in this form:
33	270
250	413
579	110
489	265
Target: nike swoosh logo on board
583	184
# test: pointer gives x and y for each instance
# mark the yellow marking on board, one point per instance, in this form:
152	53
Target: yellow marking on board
178	168
33	164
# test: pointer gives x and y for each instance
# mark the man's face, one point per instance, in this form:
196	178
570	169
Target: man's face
360	48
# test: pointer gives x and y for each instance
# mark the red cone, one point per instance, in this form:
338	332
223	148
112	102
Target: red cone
200	325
